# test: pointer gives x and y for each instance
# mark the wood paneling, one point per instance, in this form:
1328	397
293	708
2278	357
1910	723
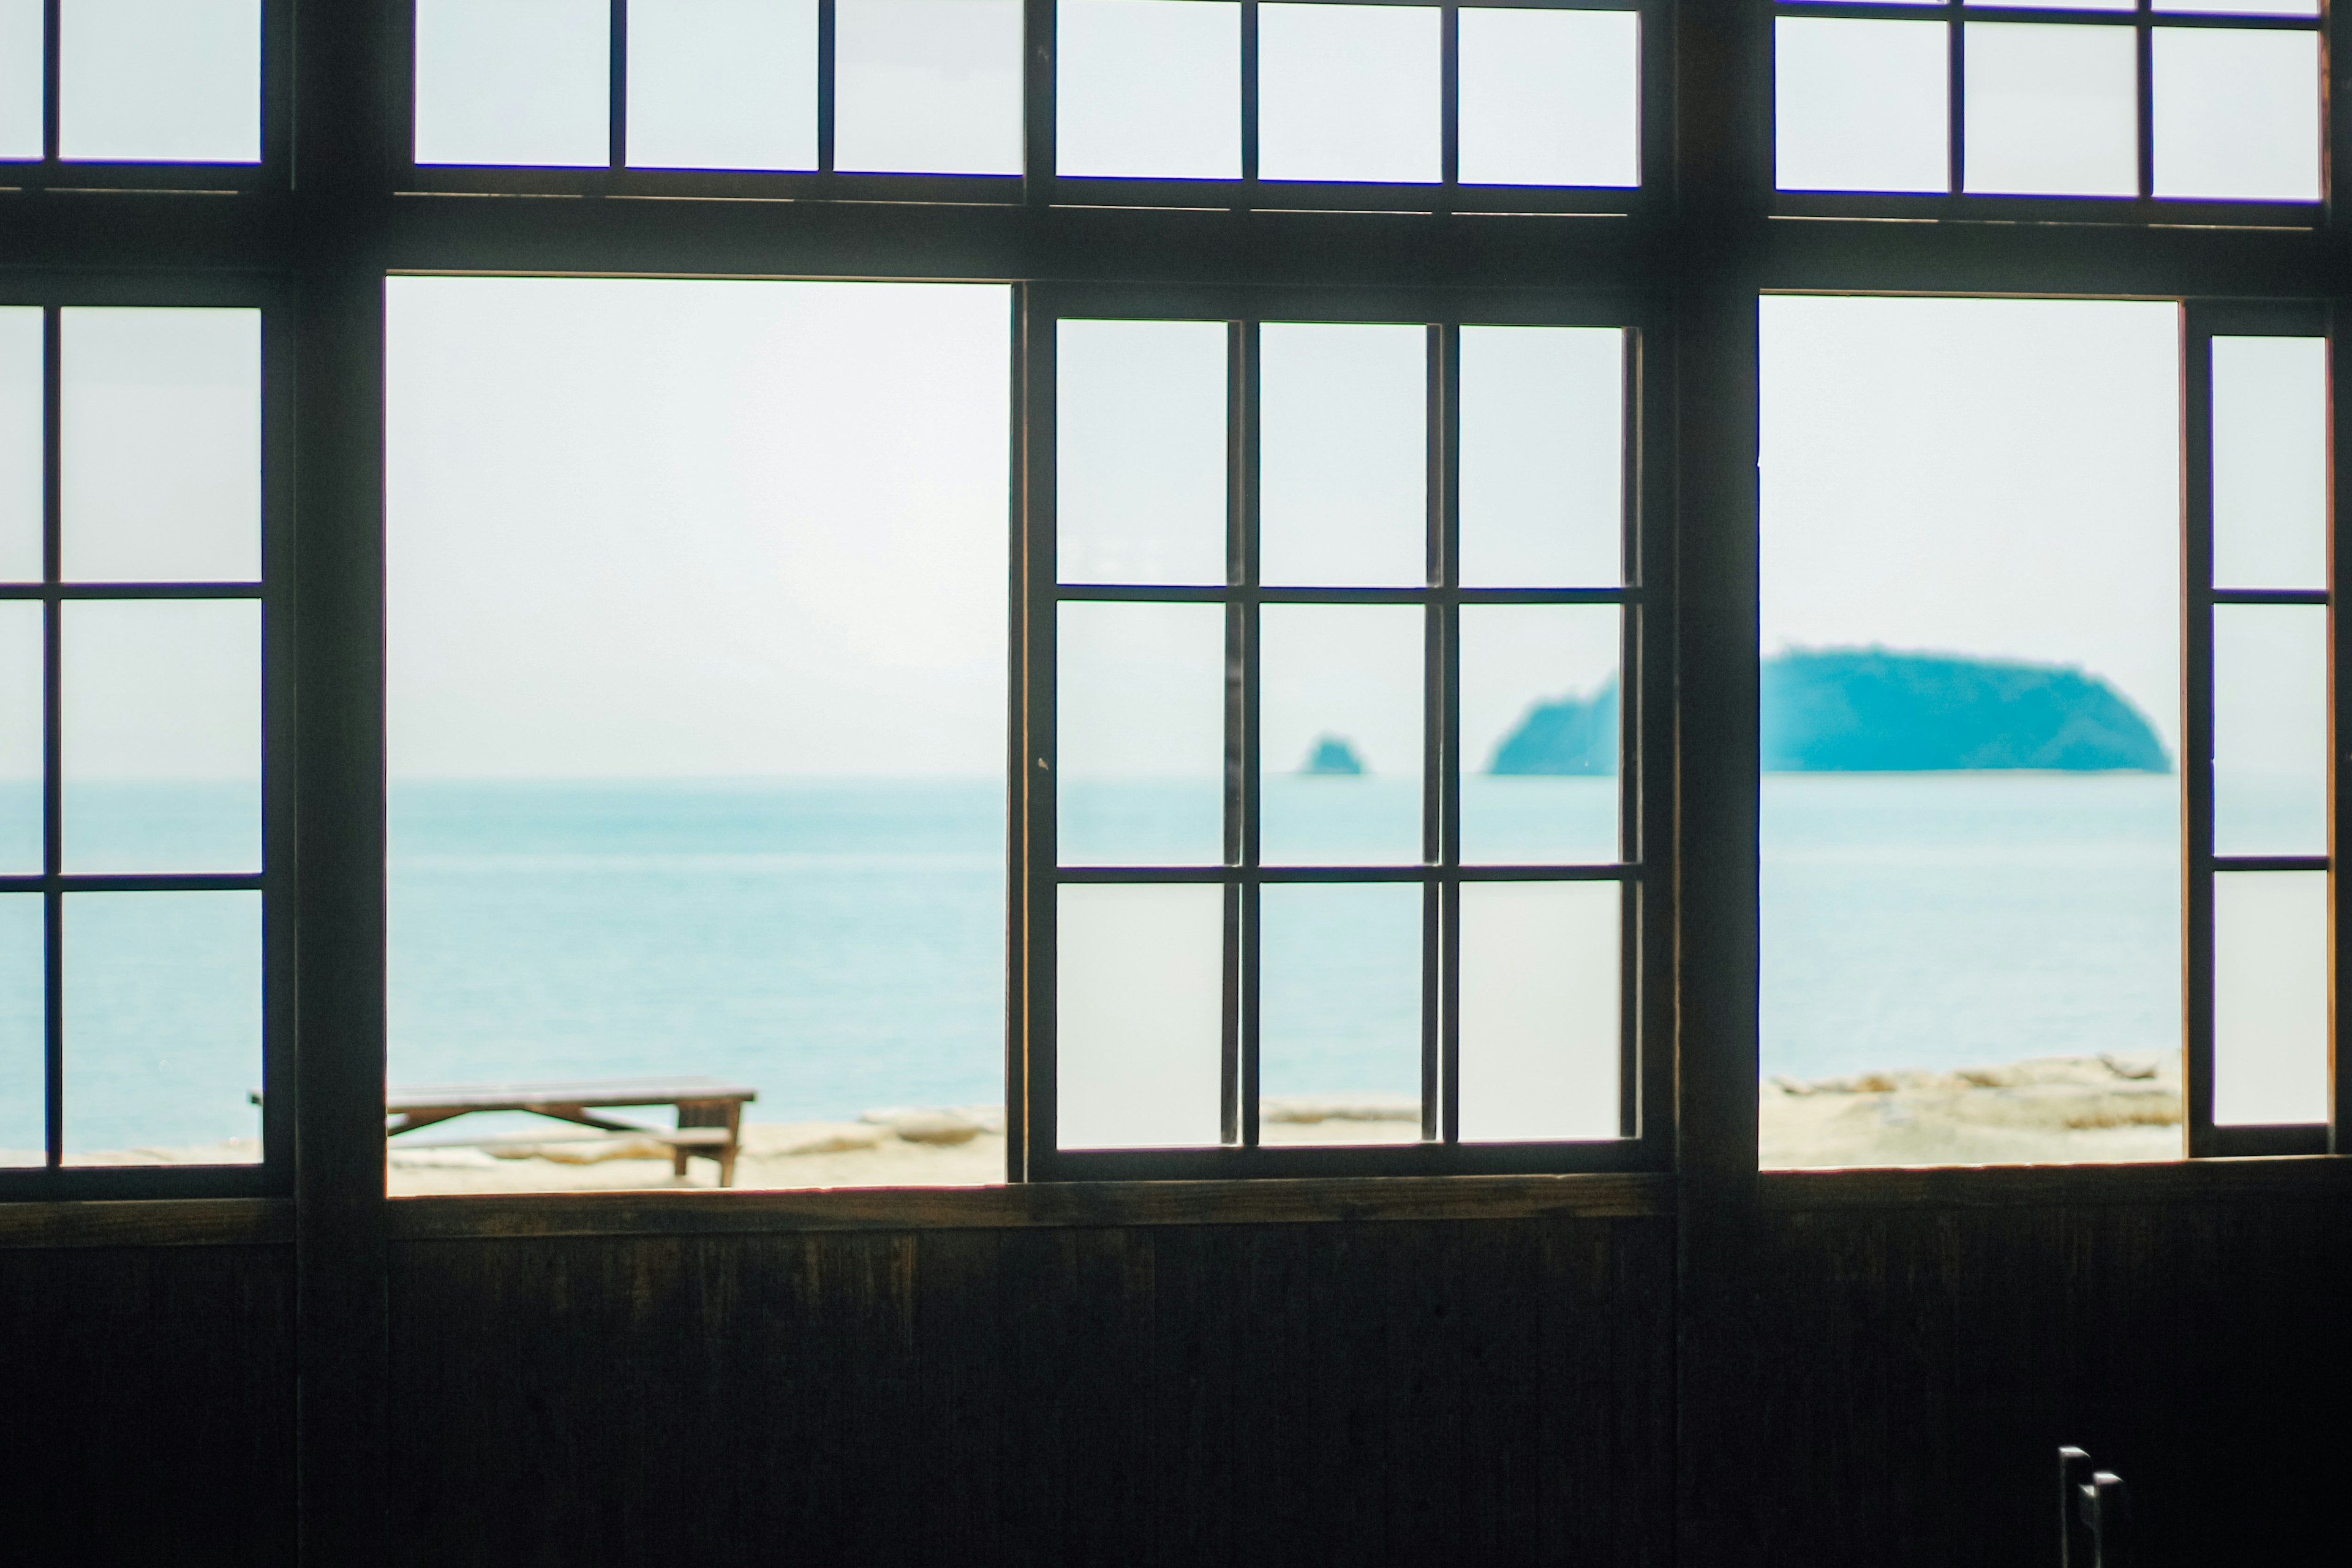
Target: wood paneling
1411	1392
149	1409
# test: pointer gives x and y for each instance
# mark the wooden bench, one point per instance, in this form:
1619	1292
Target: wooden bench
709	1111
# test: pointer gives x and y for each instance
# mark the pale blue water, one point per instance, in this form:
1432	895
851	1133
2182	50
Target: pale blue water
840	946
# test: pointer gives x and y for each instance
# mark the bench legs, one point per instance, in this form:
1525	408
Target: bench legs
727	1114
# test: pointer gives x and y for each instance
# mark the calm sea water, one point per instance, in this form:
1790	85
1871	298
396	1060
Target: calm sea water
840	946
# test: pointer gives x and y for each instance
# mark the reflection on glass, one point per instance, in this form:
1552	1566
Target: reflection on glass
21	72
723	84
20	738
1541	725
1138	1016
1542	457
1860	106
2049	110
20	445
159	81
2269	462
1339	1024
162	735
24	1116
1540	1001
2270	997
1348	92
514	81
1343	444
2237	114
161	446
928	87
1551	98
1141	701
1149	89
163	1028
2270	729
1140	444
1340	726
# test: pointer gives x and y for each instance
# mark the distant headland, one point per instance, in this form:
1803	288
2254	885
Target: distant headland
1877	710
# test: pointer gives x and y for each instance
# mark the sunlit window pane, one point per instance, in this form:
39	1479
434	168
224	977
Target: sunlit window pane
2237	114
21	425
24	1094
1540	1010
2049	110
1138	1016
1348	92
1339	1020
1542	718
1343	455
514	81
1860	106
1140	705
1149	89
723	84
160	80
2270	997
1551	98
1341	728
2242	8
21	70
928	87
1542	457
21	665
2269	462
1140	451
2270	729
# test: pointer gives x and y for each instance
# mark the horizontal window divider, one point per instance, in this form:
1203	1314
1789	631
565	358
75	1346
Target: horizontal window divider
2245	1142
2270	863
2055	16
2269	595
1620	871
132	591
132	1184
1117	593
2133	212
1424	197
137	882
719	184
1096	876
1428	1157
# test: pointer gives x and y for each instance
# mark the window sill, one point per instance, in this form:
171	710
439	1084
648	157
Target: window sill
2014	1186
147	1222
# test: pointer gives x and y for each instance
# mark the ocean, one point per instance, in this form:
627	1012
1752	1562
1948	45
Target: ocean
839	946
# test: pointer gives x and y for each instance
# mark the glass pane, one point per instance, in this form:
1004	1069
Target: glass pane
1340	722
2270	997
1860	106
1348	92
1139	1015
21	73
1542	457
514	81
162	735
1149	89
1540	733
2067	4
2243	8
163	445
1343	487
2049	110
162	1027
2237	114
21	423
1540	983
20	738
24	1097
1340	971
723	84
1141	702
1551	98
165	82
928	87
2270	729
1140	444
2269	462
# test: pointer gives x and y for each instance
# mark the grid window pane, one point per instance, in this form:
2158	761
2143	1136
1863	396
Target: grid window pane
163	1028
514	81
2068	5
1140	1017
1140	699
928	87
1340	1013
2270	997
2237	114
1551	98
2049	110
1540	727
1140	451
21	421
1542	457
1340	726
1348	92
21	72
2269	462
24	1094
2270	729
162	735
1343	487
161	446
1860	106
723	84
1149	89
1540	1003
20	738
160	80
2242	8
